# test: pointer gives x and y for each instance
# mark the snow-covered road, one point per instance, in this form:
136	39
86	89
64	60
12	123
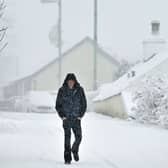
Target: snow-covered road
36	141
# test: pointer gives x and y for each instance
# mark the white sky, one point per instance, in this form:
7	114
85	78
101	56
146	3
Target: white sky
123	24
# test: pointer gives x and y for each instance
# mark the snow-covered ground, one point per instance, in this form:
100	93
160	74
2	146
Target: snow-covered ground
36	141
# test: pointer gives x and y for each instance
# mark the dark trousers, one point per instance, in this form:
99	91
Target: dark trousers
75	125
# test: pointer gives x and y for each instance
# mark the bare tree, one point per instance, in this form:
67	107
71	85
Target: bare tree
3	28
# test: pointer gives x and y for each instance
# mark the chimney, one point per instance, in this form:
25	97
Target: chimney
154	44
155	27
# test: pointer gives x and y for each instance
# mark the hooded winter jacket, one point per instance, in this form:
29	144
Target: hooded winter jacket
71	103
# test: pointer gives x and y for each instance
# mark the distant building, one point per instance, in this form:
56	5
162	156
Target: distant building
112	99
79	60
155	43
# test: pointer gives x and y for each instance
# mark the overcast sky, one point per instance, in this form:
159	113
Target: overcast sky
123	24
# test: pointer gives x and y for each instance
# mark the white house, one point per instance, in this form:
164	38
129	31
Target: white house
80	60
115	98
112	98
154	43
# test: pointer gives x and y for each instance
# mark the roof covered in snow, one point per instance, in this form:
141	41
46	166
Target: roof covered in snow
79	44
141	69
30	45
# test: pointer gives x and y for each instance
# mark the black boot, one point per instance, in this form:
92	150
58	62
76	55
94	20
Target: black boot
67	157
76	156
67	162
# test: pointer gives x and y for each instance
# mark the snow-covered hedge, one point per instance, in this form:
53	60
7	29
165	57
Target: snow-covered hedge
151	100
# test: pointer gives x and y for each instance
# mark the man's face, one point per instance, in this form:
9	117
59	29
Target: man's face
71	84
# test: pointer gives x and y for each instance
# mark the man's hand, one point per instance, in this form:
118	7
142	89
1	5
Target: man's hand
63	118
79	118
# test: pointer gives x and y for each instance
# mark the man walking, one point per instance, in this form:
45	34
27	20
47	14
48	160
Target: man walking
71	106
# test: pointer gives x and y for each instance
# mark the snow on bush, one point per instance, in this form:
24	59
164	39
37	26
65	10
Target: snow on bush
151	99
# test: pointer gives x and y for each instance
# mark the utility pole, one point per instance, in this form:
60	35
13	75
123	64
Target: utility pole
59	2
95	44
60	40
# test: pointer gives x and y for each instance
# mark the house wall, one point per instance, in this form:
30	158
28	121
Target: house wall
113	106
107	72
47	79
80	62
